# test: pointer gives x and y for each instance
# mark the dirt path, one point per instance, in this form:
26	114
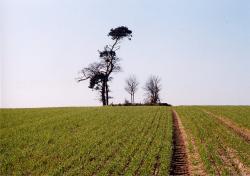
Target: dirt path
196	166
179	163
187	161
242	132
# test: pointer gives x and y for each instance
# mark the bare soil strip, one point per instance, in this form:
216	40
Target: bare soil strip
196	166
244	170
232	162
179	163
157	164
242	132
228	162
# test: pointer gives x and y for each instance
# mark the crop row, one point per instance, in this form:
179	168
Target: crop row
238	114
86	141
217	145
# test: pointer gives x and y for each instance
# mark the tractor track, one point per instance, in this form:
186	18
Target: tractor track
179	162
240	131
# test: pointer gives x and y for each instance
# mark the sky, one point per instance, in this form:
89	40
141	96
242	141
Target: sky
199	49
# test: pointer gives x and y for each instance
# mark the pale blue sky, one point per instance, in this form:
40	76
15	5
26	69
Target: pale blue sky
199	48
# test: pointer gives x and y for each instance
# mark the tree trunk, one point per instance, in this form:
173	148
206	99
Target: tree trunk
107	92
103	94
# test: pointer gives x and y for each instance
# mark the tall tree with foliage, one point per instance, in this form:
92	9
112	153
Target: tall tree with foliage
99	73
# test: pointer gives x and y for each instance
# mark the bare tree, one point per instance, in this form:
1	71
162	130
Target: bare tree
152	89
99	73
131	87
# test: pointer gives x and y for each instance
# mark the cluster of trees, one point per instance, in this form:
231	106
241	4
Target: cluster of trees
100	73
152	89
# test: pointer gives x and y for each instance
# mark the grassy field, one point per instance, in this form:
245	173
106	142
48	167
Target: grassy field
218	146
121	140
238	114
85	141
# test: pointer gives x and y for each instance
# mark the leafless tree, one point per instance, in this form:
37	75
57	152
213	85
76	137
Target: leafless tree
152	89
131	87
99	73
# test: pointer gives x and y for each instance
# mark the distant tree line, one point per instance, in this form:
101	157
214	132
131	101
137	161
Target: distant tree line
152	89
100	73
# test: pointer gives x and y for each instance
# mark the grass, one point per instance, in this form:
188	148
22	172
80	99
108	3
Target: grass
117	140
85	141
213	140
238	114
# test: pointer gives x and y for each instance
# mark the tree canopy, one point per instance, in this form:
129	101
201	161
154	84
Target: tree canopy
99	73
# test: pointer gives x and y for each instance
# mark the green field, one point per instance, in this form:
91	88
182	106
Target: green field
238	114
217	145
119	140
86	141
